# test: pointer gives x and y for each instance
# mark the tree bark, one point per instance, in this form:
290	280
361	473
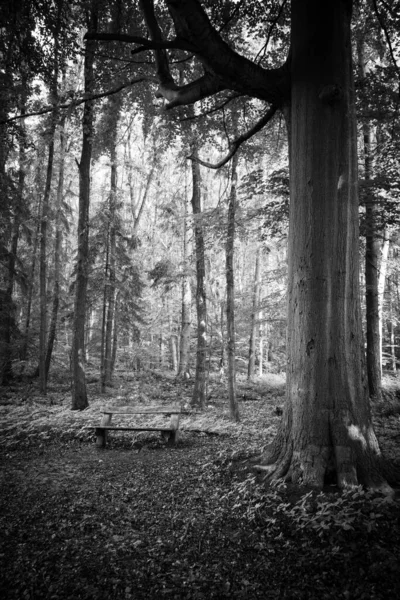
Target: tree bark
327	422
43	260
372	250
57	252
79	392
230	296
199	390
110	283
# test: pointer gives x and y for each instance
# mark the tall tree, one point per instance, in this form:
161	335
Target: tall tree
79	392
230	293
372	249
327	419
115	107
57	250
186	318
199	390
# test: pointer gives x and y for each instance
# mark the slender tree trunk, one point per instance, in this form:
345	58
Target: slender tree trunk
326	422
371	253
43	260
260	344
112	246
24	349
230	296
381	289
79	392
392	333
115	333
43	372
103	319
199	390
253	330
57	252
223	345
183	370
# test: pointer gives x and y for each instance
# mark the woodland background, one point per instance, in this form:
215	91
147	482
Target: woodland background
141	265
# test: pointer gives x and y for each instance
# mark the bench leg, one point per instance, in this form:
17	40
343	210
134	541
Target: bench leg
101	437
101	433
174	435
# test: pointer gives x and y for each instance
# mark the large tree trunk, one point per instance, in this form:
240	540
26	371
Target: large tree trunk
199	390
79	392
230	296
327	423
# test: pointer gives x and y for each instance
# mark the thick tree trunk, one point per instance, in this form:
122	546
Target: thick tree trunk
253	331
79	392
326	423
199	390
230	296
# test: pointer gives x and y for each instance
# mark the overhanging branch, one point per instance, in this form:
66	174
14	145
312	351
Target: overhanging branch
76	103
235	145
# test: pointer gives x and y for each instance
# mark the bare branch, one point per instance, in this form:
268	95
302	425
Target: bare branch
75	103
235	145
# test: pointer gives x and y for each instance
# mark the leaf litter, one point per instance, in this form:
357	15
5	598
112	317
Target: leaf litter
142	521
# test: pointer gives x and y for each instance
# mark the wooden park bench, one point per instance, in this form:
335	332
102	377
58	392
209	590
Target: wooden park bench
170	433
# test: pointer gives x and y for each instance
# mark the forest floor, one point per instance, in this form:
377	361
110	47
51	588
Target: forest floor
140	520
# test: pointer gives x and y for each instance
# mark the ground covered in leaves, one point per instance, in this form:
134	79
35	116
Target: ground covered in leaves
140	520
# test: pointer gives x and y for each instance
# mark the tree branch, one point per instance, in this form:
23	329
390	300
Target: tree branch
212	110
235	145
237	72
145	43
75	103
205	86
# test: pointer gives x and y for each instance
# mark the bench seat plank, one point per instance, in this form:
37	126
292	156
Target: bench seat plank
127	428
141	412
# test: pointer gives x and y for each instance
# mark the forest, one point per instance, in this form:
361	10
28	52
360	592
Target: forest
200	210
